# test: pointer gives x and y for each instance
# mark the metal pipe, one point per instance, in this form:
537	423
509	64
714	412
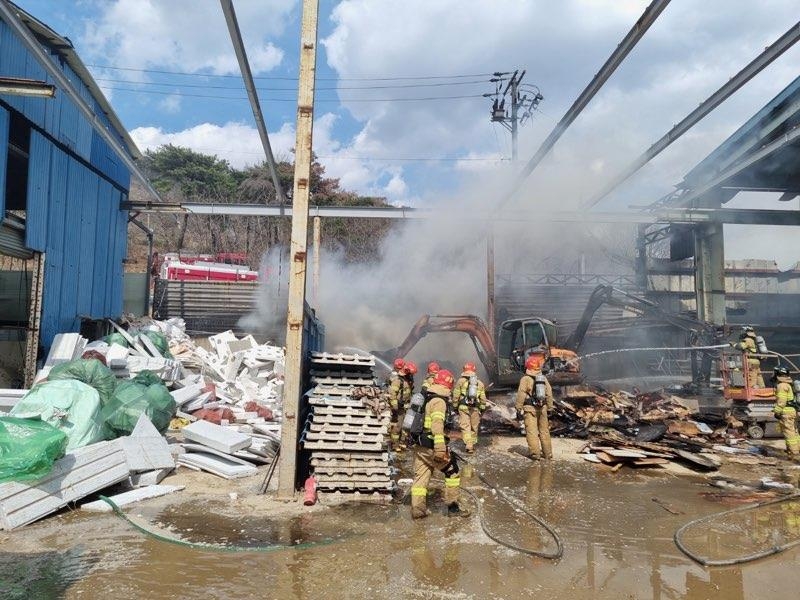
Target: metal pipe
10	16
781	45
147	280
317	239
627	44
738	216
252	94
298	251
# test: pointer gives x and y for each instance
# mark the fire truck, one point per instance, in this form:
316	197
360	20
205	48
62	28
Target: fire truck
222	266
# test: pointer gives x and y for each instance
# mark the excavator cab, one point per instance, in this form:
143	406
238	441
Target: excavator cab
516	339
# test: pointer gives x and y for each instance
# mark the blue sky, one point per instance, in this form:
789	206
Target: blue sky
438	48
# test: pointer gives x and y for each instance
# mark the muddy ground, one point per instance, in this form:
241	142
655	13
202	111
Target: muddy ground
617	540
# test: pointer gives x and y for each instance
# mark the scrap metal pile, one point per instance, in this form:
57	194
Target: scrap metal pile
347	428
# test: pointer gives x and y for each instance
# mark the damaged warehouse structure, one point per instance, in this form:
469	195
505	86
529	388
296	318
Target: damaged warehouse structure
607	435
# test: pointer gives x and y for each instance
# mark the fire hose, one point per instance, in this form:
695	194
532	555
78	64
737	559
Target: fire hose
207	546
559	551
620	350
709	562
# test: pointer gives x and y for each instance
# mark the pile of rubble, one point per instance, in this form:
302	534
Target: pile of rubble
347	428
620	409
226	404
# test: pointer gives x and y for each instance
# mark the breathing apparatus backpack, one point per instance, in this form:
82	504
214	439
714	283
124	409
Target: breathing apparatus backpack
538	396
415	415
472	391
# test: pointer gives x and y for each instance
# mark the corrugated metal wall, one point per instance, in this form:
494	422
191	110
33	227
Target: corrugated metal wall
206	306
73	212
74	217
59	116
4	122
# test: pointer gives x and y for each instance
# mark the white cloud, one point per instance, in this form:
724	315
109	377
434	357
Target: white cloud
171	104
690	51
186	36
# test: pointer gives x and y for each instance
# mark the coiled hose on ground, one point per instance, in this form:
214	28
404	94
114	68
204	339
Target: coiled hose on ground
708	562
559	551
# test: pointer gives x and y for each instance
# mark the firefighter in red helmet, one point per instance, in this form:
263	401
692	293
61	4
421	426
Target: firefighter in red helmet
534	398
469	399
433	369
431	451
399	395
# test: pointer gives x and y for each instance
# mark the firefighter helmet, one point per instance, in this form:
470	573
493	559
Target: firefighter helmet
398	364
534	362
410	368
433	368
781	371
470	367
445	378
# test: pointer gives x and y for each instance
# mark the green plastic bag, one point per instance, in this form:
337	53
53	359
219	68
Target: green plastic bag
91	372
159	341
68	405
144	394
28	448
116	338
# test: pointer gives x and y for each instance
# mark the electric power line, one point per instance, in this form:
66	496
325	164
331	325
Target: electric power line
238	89
341	100
191	74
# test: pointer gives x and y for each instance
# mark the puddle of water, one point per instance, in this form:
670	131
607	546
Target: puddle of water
618	544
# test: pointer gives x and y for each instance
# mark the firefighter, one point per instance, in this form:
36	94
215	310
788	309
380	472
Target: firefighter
433	369
534	398
399	395
747	344
469	399
431	453
785	411
409	371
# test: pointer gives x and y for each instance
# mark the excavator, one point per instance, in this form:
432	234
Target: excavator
518	338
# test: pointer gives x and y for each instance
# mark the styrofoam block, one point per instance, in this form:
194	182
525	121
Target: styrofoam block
126	498
216	437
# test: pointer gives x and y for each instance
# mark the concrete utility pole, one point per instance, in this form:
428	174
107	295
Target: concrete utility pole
298	259
519	100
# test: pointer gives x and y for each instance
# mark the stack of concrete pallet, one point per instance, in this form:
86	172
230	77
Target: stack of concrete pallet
347	440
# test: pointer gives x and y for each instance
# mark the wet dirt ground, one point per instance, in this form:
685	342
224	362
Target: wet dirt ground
617	544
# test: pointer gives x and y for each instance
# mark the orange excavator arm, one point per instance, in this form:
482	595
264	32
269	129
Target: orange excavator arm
472	325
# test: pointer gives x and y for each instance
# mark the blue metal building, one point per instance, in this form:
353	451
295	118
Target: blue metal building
61	184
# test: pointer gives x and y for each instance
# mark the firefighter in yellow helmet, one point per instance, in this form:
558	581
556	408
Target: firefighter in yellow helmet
433	369
785	411
431	453
534	398
469	398
399	394
747	344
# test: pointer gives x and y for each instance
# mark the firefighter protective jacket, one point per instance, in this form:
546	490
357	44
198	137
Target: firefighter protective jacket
526	390
460	393
399	392
784	395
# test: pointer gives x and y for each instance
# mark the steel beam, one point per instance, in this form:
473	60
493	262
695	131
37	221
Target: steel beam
26	87
252	94
624	48
738	216
786	139
298	259
9	15
786	41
